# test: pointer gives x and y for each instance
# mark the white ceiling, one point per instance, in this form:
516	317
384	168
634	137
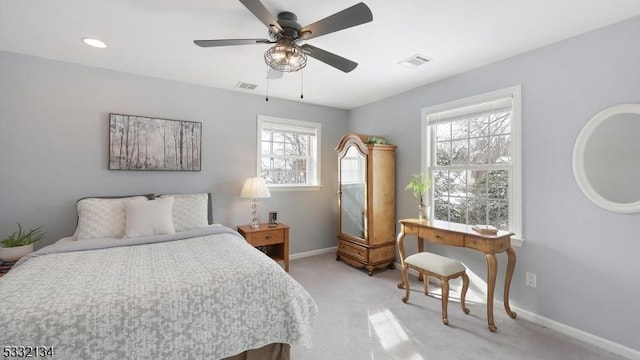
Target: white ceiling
155	38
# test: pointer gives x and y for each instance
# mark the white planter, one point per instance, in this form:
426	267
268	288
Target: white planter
15	253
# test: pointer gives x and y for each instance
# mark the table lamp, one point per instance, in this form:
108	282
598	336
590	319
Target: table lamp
255	188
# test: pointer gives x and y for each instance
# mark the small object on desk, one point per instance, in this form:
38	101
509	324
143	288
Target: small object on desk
485	229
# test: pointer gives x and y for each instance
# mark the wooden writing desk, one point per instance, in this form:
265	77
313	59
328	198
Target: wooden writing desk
452	234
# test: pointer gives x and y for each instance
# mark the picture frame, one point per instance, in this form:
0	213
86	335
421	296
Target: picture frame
154	144
273	218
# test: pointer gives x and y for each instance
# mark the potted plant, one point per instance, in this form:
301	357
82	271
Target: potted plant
420	185
20	243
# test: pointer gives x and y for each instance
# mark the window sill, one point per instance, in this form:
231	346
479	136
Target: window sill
294	187
517	242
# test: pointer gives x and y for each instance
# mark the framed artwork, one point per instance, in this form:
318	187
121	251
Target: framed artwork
153	144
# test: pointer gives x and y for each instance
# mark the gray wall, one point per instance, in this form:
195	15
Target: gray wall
54	150
585	258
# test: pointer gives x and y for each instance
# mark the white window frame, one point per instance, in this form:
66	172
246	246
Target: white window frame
313	172
515	186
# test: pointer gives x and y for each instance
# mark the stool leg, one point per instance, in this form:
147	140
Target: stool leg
405	279
445	299
463	295
425	279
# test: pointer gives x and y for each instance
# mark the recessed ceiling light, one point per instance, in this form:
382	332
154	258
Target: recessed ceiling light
94	42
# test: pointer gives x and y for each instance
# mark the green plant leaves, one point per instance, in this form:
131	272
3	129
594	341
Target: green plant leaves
20	238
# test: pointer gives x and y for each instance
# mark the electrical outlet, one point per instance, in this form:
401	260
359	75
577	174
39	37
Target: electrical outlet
530	279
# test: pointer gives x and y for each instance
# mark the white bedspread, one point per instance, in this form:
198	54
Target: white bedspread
207	297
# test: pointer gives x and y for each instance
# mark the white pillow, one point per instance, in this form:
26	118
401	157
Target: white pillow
98	218
146	218
189	211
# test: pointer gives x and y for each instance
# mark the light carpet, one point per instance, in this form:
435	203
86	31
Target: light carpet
364	318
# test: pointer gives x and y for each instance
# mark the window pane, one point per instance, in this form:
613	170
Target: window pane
277	136
443	131
501	149
460	152
460	129
458	183
266	135
478	150
440	184
278	148
266	148
479	126
499	214
498	185
443	153
501	123
296	145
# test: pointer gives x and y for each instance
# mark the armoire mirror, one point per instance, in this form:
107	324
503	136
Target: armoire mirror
605	159
353	188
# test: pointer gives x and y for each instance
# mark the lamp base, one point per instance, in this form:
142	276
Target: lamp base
254	215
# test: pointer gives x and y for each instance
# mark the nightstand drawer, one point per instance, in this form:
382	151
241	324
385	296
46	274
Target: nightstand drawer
266	237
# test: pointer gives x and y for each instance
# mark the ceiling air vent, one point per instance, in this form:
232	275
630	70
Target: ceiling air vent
414	61
246	86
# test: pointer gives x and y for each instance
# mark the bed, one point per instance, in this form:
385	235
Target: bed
198	293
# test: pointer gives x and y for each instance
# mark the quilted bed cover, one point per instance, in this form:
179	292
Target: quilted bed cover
199	294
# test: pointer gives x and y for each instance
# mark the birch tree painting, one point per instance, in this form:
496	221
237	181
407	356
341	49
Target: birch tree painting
143	143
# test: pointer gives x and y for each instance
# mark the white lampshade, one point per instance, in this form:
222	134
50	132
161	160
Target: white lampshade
255	188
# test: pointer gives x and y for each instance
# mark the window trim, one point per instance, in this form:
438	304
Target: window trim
315	165
515	92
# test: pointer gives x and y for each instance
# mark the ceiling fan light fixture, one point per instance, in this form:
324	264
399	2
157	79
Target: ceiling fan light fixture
285	56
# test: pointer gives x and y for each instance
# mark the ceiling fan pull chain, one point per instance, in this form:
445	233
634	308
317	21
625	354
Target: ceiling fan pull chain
301	84
267	98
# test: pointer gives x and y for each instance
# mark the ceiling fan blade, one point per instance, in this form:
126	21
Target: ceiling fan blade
231	42
328	58
274	74
261	12
356	15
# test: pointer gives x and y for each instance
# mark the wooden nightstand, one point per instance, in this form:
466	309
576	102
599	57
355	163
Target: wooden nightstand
274	240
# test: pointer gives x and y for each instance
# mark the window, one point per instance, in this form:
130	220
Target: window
471	151
288	152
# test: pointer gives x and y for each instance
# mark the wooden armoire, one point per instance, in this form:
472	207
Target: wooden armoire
366	203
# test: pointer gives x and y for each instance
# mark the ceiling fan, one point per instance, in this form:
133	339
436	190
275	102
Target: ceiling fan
287	55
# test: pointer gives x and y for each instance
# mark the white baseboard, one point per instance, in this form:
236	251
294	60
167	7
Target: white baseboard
602	343
312	253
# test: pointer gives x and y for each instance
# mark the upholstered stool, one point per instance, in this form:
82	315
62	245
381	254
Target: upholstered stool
429	264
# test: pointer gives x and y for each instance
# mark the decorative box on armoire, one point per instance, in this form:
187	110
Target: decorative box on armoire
366	203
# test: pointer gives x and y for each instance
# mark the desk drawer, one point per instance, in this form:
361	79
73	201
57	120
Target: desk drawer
353	250
442	237
266	237
488	245
411	229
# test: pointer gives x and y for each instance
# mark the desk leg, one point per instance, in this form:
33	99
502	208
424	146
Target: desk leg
511	264
421	249
400	242
492	268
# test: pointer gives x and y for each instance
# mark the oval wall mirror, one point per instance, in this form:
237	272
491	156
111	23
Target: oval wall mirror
606	159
